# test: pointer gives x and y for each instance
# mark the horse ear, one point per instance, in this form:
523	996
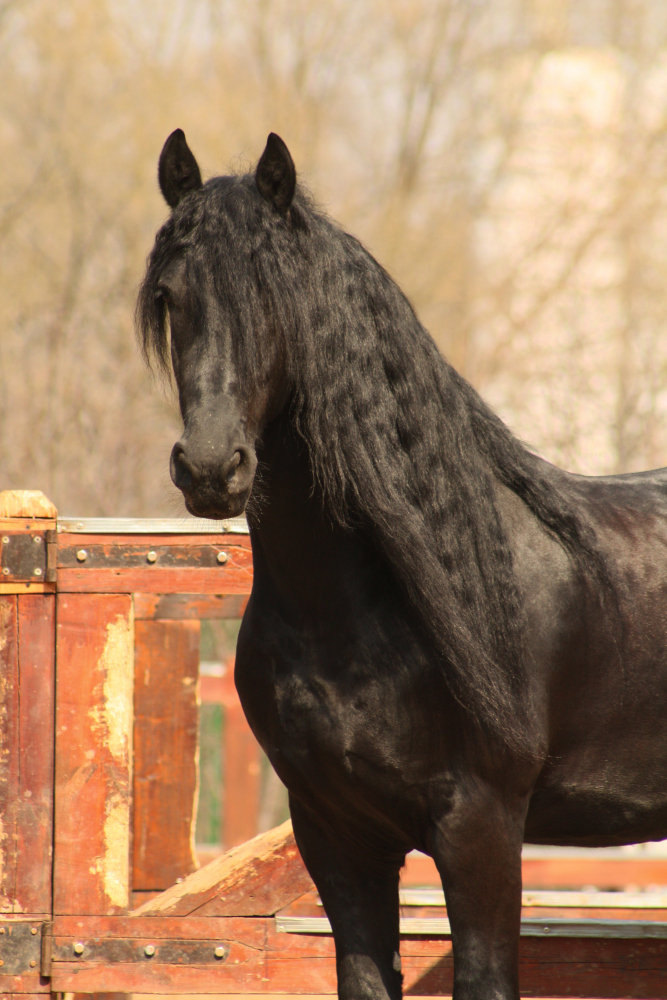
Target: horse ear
275	175
178	172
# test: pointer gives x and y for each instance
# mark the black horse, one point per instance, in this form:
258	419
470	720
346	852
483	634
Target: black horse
450	645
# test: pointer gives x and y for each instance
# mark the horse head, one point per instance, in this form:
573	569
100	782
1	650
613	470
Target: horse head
205	275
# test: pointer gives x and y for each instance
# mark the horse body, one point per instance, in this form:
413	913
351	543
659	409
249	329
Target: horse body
392	723
605	778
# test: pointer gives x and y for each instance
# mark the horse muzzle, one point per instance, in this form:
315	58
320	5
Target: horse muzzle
213	485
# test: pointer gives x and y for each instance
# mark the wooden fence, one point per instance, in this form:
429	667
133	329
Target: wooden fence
99	886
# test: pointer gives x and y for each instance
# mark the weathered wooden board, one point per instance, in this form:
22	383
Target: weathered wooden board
36	619
165	752
157	564
572	967
9	741
184	606
93	782
256	878
26	752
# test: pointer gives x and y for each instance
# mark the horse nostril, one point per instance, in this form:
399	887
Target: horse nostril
239	469
180	469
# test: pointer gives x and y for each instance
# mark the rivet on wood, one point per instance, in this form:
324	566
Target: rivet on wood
149	950
37	571
219	952
81	555
34	930
5	570
151	556
222	558
78	948
5	539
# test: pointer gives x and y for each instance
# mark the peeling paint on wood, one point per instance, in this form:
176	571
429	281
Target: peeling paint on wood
116	663
94	753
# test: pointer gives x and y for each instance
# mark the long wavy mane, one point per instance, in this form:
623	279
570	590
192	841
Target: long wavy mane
400	445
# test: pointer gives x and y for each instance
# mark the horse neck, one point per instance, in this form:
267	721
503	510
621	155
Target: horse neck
292	534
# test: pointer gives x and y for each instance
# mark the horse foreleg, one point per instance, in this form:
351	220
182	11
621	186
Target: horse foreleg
360	897
477	850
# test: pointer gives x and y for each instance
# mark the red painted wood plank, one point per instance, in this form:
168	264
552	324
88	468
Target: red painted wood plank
165	752
563	871
24	986
604	872
157	581
36	621
93	753
9	744
184	606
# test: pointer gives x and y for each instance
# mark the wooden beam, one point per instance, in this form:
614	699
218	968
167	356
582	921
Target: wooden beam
256	878
155	564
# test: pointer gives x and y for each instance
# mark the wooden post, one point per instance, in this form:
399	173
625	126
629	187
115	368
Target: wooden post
27	636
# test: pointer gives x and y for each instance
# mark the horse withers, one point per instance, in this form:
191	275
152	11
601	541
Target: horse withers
451	644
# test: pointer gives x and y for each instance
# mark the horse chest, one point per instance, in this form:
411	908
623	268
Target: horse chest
339	727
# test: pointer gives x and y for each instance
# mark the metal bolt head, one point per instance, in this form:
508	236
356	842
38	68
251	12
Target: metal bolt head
77	948
222	558
151	556
5	570
219	951
81	555
149	950
37	571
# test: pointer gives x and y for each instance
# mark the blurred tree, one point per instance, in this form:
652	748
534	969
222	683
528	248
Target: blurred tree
504	161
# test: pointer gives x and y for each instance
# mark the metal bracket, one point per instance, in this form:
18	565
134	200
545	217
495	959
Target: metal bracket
20	947
160	951
28	558
134	555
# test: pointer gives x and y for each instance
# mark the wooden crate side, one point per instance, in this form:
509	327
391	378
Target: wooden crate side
93	740
165	752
